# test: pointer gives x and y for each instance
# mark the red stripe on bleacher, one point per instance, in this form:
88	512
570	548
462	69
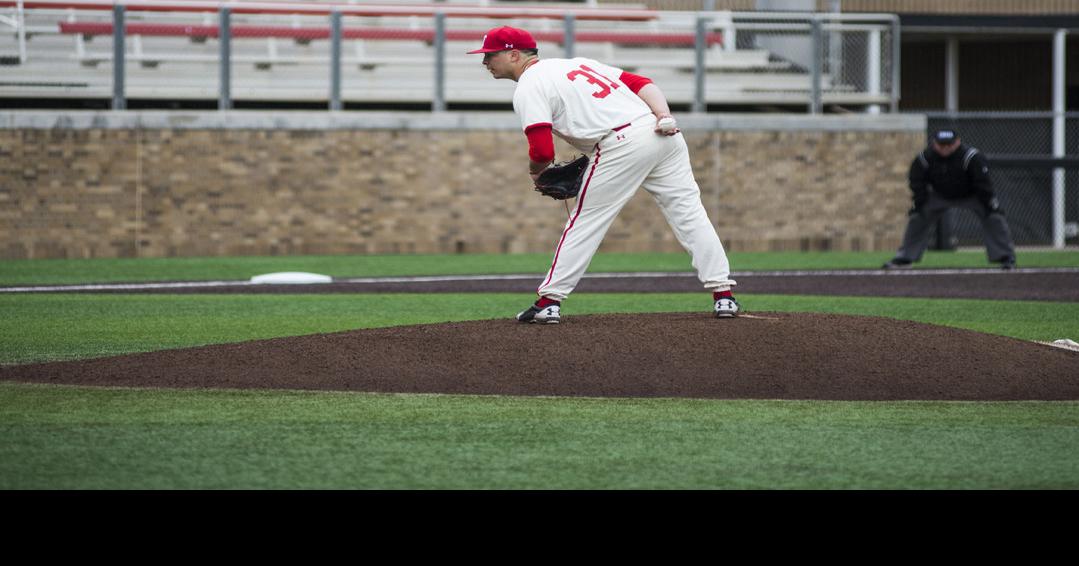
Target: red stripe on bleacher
385	34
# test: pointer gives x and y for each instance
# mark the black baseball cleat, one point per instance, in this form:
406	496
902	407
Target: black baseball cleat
550	314
1007	264
727	307
898	263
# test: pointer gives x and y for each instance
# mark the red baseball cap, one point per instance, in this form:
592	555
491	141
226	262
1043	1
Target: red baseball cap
505	37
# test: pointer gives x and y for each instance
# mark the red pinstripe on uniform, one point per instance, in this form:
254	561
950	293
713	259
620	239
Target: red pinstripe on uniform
580	205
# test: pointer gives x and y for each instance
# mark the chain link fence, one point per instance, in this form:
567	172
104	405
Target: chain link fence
852	56
858	58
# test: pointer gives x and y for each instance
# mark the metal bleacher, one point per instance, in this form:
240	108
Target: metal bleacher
172	53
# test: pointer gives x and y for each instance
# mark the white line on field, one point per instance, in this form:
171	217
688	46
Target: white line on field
658	274
123	286
518	277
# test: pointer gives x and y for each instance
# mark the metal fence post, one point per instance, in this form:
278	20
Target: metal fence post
946	240
224	36
699	104
570	36
873	69
815	104
730	32
335	60
951	74
439	102
1059	106
836	63
896	60
118	35
21	22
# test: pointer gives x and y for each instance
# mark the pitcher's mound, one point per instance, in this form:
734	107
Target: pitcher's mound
761	356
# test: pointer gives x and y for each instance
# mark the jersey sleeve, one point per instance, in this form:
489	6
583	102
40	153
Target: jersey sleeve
540	143
978	176
919	179
532	105
634	82
978	170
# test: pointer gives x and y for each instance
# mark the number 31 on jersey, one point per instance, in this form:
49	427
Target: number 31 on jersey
605	84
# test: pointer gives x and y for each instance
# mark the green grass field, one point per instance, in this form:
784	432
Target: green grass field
62	437
70	271
65	438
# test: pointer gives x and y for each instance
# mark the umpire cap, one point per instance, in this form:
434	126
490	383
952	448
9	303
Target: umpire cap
946	136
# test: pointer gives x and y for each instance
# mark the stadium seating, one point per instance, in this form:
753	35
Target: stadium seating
388	57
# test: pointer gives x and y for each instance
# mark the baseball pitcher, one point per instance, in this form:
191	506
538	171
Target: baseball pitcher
623	124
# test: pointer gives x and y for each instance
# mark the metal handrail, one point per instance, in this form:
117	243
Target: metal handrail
875	26
323	8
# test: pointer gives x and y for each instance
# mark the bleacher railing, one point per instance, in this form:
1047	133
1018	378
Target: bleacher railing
340	53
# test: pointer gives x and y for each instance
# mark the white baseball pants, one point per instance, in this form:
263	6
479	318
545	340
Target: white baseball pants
635	157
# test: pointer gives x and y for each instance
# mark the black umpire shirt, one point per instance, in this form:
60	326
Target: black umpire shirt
962	174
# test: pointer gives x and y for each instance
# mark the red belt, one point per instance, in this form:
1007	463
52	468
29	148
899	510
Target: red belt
622	127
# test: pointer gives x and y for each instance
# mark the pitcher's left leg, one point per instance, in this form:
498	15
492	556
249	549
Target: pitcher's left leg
673	187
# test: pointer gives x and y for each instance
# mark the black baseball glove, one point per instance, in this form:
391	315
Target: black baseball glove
562	181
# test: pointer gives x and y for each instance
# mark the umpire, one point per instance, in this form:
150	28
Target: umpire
951	174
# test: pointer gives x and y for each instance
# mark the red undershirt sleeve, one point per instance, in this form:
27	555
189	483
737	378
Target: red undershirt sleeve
634	82
540	143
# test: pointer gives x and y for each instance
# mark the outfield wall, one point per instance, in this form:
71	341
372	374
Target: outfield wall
160	184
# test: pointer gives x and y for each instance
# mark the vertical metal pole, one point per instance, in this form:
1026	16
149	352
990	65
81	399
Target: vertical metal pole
835	46
439	102
224	36
335	60
946	223
730	32
951	75
835	51
1059	105
701	44
569	39
897	60
118	101
20	20
815	105
872	71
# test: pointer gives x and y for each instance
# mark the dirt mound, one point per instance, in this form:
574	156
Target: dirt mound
762	356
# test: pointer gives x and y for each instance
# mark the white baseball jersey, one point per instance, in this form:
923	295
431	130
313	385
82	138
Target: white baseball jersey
581	98
587	104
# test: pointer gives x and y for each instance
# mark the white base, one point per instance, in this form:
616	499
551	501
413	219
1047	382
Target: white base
1063	343
291	277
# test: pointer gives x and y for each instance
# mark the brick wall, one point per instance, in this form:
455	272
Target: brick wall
169	191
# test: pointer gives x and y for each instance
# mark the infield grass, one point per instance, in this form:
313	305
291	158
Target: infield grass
72	271
83	438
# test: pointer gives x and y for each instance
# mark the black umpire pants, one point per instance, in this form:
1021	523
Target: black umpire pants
995	231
